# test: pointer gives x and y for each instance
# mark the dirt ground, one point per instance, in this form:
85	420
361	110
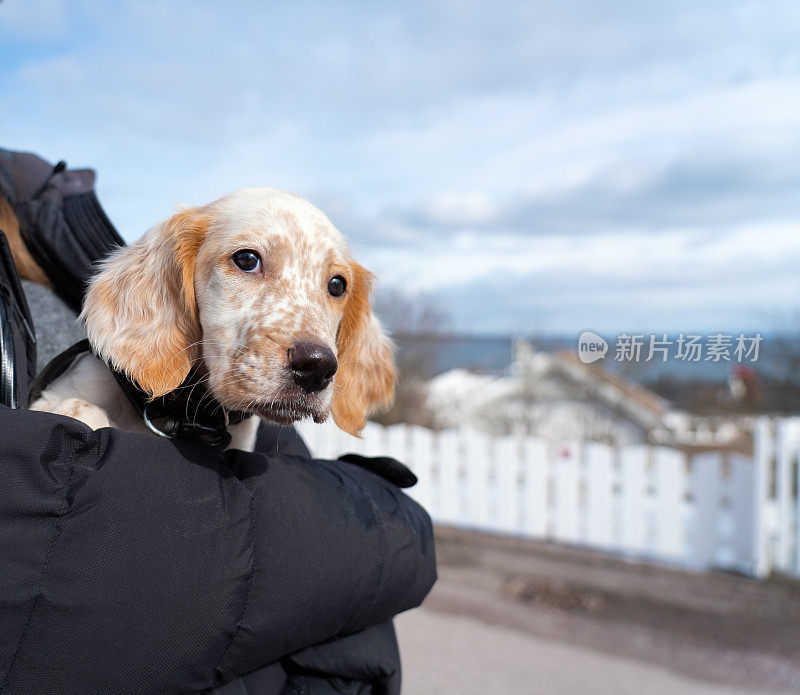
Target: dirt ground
447	654
561	620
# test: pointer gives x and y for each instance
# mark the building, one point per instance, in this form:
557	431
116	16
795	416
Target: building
556	396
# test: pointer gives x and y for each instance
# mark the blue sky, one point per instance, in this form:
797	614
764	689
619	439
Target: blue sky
533	166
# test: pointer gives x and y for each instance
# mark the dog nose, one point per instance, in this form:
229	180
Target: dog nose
313	366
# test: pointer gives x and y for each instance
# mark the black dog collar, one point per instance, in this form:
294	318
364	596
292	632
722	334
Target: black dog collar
188	412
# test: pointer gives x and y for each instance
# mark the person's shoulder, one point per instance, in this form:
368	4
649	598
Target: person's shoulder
56	325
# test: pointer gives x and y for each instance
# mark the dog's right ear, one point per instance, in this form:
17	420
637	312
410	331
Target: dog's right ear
140	311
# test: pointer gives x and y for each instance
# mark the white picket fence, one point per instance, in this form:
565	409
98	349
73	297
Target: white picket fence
710	510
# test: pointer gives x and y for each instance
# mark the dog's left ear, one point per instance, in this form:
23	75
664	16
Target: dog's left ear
366	377
140	310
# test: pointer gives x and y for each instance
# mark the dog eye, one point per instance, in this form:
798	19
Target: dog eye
337	286
247	260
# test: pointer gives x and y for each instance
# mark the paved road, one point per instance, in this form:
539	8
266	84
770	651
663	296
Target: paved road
447	654
514	616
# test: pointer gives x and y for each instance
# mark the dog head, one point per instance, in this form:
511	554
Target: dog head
260	289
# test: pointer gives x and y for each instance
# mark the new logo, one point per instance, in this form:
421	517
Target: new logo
591	347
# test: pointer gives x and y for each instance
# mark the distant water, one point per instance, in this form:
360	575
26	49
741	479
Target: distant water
485	354
489	355
494	354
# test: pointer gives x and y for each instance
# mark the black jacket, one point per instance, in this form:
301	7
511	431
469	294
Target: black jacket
131	564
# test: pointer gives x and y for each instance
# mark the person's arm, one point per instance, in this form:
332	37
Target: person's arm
129	564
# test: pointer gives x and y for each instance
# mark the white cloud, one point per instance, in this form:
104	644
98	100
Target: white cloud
515	158
687	279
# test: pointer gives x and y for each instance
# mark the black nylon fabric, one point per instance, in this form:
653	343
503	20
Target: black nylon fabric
130	564
17	338
63	225
367	662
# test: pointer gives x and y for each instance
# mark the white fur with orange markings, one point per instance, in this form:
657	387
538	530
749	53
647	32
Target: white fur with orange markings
175	299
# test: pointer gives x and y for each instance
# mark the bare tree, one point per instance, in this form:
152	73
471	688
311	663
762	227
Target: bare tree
780	374
419	327
769	385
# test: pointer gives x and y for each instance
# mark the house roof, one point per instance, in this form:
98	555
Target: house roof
620	389
462	390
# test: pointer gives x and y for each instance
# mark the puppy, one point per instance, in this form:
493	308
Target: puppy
257	296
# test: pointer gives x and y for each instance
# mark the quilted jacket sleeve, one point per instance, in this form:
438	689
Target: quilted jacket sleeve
130	564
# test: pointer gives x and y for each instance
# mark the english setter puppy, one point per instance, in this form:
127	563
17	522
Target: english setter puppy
257	293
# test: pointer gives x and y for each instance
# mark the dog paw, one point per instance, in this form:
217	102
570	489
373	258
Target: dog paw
81	410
